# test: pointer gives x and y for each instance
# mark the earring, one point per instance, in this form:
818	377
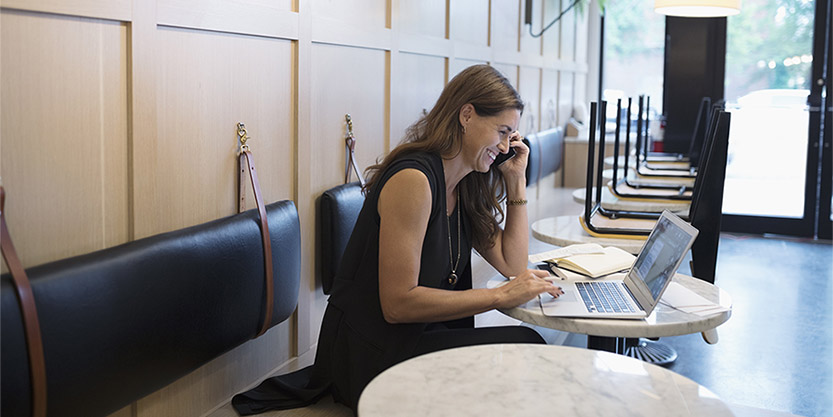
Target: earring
464	130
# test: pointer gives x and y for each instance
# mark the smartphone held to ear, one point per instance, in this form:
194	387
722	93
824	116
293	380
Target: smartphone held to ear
503	157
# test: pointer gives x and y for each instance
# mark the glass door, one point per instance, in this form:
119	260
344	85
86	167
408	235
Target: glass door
776	52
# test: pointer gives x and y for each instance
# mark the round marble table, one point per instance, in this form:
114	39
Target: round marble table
566	230
664	321
533	380
612	202
631	161
674	165
607	175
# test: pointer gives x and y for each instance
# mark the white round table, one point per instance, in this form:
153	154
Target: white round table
533	380
631	161
611	202
664	321
634	178
566	230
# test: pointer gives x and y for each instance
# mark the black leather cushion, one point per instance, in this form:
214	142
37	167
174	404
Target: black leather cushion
123	322
546	154
531	143
338	209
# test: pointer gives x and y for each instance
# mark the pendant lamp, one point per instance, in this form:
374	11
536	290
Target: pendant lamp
697	8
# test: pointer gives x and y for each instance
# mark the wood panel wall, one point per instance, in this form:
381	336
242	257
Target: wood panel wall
118	121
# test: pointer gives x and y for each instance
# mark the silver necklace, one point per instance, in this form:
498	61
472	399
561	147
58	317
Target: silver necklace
452	279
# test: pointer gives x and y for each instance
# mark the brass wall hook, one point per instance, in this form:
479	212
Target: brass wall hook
243	136
349	125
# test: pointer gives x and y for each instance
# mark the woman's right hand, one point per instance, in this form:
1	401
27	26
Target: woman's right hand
525	287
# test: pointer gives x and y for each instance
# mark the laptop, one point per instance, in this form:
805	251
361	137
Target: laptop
639	292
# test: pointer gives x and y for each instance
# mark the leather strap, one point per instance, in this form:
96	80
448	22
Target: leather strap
350	142
246	165
34	344
350	155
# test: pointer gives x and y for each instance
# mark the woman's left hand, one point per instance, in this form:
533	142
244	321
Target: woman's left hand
515	167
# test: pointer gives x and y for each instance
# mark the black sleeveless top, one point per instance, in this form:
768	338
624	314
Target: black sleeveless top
356	343
360	261
356	287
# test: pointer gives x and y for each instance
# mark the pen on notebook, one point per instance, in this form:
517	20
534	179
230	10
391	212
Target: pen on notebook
555	272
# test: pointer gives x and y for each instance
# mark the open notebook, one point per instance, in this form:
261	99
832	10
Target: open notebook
639	292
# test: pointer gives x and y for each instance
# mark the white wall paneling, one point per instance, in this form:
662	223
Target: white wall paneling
119	10
271	18
505	31
565	97
529	87
425	17
207	83
63	133
416	87
469	22
549	98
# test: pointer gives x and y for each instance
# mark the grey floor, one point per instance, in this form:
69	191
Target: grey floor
776	351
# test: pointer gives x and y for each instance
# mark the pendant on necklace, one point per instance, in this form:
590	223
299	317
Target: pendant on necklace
452	279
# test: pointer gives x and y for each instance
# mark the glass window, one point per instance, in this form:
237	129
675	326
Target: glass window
769	48
634	53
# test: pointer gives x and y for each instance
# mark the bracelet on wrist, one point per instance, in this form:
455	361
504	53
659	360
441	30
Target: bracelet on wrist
516	202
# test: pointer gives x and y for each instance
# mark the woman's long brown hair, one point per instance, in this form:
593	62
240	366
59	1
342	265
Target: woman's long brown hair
440	132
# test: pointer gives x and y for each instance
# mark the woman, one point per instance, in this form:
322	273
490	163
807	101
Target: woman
404	284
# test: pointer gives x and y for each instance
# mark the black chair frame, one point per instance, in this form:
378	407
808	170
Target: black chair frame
707	202
642	146
680	189
678	193
711	179
591	206
611	213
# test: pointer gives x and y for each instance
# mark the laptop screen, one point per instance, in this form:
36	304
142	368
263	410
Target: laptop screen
659	258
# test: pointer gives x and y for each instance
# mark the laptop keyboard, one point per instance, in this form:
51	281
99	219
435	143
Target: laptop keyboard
605	297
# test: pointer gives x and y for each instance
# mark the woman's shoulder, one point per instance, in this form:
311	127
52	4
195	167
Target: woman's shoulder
427	158
429	164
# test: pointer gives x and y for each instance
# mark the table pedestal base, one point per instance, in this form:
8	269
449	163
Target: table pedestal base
650	351
643	349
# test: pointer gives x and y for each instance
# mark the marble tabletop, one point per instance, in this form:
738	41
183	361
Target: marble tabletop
633	178
664	321
675	165
612	202
567	230
631	161
533	380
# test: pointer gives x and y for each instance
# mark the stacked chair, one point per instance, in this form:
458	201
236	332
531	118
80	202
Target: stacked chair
689	160
669	190
659	184
708	188
674	165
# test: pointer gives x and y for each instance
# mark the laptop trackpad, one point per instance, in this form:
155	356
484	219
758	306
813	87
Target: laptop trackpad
568	296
